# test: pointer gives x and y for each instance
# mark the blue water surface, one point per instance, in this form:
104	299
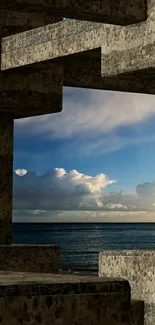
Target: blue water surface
81	242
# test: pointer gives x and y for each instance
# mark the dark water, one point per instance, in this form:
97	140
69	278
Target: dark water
81	242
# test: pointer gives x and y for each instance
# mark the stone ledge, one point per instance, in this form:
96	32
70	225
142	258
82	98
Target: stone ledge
30	258
24	283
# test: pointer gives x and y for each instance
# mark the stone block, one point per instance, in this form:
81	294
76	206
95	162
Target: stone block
137	266
29	298
30	258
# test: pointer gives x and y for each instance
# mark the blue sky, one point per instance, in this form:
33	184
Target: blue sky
97	132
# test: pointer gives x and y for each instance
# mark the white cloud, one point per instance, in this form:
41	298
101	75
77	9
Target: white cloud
20	172
61	190
58	189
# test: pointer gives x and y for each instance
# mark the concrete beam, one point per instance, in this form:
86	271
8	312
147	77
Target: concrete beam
52	42
91	53
106	11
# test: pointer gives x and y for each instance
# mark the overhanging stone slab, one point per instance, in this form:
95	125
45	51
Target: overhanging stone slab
30	258
108	11
78	46
87	74
31	93
51	42
123	50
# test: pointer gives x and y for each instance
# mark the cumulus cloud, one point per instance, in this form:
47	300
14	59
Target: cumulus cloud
58	189
21	172
61	190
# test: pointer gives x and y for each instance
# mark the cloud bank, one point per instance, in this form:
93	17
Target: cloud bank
59	190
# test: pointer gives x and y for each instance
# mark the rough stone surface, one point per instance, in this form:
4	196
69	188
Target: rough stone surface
29	298
6	166
108	11
137	266
30	258
125	60
90	309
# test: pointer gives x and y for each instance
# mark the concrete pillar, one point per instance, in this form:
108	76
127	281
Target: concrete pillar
6	177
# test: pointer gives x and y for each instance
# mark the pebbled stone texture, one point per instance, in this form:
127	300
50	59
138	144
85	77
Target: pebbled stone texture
137	266
30	258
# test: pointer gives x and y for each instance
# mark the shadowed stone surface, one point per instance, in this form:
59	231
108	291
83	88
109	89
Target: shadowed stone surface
137	266
90	309
32	298
137	312
32	93
30	258
108	11
12	22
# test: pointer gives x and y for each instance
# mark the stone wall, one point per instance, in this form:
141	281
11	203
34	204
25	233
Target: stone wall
30	258
138	267
63	299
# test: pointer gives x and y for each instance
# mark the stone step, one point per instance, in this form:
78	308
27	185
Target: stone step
32	298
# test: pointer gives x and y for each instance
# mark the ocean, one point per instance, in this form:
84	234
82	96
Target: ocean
81	242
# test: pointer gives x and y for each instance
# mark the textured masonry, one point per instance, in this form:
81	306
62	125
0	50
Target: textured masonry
30	298
116	57
138	267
